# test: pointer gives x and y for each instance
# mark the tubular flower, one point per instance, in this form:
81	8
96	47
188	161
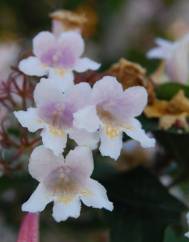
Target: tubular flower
57	57
66	183
54	115
176	57
112	112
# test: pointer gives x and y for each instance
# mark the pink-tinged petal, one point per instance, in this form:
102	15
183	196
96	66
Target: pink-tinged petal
72	41
136	132
81	161
110	146
45	92
94	195
29	230
43	42
84	64
29	119
87	119
162	51
63	81
135	99
106	89
178	62
38	200
54	139
62	211
84	138
42	162
78	96
32	66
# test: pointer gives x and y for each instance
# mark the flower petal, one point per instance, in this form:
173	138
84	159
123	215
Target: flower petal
29	119
42	42
54	139
135	99
84	138
32	66
81	159
84	64
78	96
73	41
62	211
110	146
42	162
136	132
62	81
94	195
106	89
87	119
46	91
38	200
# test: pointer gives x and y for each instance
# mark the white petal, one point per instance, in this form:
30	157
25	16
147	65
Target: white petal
42	162
186	235
62	81
52	140
42	42
105	89
135	99
178	62
78	96
46	91
73	41
87	119
29	119
84	64
110	146
38	200
62	211
136	132
81	160
33	67
94	195
84	138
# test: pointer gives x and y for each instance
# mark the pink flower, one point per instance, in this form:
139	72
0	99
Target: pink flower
112	111
54	115
58	57
66	183
176	57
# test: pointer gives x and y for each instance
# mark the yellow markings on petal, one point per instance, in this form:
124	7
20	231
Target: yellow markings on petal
60	71
56	132
112	132
66	198
86	192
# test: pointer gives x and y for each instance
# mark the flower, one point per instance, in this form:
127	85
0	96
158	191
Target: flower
174	112
54	115
29	230
66	183
176	57
58	57
112	112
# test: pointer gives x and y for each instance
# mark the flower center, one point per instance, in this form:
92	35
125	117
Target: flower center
62	183
57	116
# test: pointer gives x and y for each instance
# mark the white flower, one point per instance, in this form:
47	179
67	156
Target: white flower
112	112
66	183
187	220
176	56
58	57
54	115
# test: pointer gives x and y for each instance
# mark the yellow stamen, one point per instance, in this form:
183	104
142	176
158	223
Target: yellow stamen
56	132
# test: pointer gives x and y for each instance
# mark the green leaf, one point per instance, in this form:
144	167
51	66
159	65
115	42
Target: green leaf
168	90
143	208
171	236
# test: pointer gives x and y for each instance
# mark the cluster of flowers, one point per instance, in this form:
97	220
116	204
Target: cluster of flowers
88	115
